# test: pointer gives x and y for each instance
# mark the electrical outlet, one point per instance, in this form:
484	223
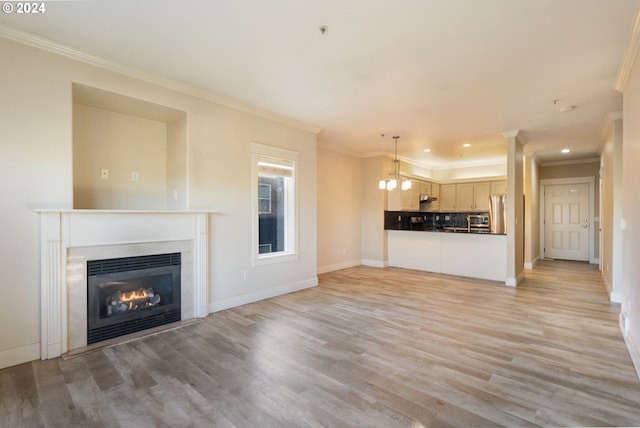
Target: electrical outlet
104	173
135	176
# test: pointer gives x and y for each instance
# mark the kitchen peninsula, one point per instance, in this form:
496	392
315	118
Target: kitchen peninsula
440	242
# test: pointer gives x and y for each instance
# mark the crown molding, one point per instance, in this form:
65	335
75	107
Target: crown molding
607	125
516	134
512	133
66	51
630	56
333	148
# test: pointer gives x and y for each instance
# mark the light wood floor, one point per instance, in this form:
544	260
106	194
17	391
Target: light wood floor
368	347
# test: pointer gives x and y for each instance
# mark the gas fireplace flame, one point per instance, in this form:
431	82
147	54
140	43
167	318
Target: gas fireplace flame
121	302
139	294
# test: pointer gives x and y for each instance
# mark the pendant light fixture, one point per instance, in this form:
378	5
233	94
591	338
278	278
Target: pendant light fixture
391	182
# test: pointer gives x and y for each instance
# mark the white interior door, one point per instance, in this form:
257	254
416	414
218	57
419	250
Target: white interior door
566	222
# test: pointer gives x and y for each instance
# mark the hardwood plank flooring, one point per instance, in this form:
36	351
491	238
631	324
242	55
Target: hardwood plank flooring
368	347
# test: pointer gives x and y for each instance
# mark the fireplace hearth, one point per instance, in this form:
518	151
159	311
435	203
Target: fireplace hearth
130	294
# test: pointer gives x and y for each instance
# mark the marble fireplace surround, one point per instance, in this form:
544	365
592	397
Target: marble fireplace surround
70	238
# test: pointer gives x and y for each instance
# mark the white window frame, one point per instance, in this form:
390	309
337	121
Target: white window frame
260	154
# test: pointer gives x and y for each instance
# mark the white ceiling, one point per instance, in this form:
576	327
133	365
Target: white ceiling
438	73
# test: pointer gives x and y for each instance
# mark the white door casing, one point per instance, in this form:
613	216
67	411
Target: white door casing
567	221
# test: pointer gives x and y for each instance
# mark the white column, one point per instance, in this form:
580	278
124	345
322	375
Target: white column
201	271
515	207
51	283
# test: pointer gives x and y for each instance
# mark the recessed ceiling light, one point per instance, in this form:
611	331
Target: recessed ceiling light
565	150
466	145
427	150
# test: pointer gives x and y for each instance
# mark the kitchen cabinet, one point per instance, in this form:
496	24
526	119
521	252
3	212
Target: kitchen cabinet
447	197
473	196
425	188
450	253
464	197
435	192
409	200
453	197
481	192
498	187
404	200
411	197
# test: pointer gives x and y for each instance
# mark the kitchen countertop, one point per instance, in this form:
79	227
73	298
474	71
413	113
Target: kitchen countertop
450	230
432	222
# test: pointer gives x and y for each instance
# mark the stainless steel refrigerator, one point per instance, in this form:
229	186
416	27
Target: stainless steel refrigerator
498	214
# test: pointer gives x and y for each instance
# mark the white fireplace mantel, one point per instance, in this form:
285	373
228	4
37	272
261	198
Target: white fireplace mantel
70	237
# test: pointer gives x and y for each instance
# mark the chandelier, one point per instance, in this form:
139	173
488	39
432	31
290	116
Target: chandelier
391	182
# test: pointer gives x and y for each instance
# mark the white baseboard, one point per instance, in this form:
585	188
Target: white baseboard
531	265
596	261
232	302
338	266
615	296
633	349
375	263
12	357
624	323
607	284
513	282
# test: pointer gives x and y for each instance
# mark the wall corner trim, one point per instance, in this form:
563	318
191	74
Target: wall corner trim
630	56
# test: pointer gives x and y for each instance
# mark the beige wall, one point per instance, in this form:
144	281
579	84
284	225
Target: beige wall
611	211
121	144
515	210
531	212
177	171
570	170
339	210
631	211
471	172
374	202
36	122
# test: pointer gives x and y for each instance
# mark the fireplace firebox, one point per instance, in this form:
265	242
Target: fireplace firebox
130	294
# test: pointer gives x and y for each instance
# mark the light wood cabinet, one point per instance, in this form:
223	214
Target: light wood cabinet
447	197
404	200
459	197
435	192
425	188
473	196
464	197
411	197
498	187
481	192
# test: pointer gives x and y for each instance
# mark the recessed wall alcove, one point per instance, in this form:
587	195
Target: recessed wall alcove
128	154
